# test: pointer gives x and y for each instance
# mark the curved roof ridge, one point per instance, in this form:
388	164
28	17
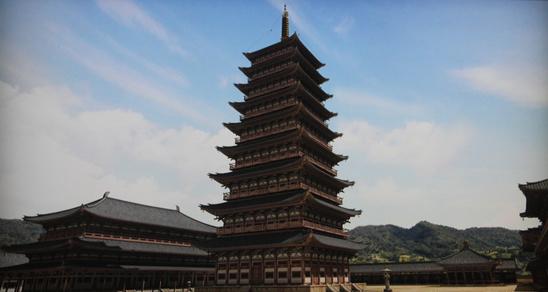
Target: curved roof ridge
118	209
153	207
536	185
460	256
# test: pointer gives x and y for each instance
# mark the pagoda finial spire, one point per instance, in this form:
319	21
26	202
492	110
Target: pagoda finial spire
285	24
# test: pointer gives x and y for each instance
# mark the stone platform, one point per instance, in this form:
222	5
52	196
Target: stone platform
357	287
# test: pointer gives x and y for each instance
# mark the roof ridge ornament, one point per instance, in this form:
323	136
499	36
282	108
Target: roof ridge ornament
105	195
285	24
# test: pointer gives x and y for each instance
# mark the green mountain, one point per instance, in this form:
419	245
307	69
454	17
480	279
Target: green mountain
424	241
427	241
15	231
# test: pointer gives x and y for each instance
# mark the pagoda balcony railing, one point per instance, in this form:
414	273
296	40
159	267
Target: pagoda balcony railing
270	88
273	188
323	194
322	165
279	156
315	138
272	131
271	157
269	107
269	226
321	227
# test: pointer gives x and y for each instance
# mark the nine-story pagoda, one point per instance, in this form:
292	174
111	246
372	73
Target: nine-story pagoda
282	217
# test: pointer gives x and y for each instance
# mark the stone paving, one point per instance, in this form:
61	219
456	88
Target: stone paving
433	288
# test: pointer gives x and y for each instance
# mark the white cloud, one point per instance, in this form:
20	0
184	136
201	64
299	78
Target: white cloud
345	25
354	97
518	84
130	14
421	146
55	155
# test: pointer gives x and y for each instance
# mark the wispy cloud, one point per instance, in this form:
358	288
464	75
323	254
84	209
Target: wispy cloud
353	97
344	26
424	147
164	72
130	14
522	85
119	74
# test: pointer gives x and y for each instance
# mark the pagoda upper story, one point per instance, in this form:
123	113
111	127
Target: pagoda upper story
283	144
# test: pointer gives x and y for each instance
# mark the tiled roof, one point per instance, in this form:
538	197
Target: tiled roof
288	197
466	256
168	268
147	247
278	198
337	242
535	186
277	238
102	243
256	170
292	40
116	209
350	212
396	267
274	238
536	194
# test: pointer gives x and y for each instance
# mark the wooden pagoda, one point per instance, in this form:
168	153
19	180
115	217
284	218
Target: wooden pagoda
536	239
112	245
282	215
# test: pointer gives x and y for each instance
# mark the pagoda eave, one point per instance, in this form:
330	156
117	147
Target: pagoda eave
292	40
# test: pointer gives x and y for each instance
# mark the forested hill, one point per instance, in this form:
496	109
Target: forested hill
14	231
427	241
424	241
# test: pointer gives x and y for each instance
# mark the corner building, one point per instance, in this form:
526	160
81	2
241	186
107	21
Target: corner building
112	245
282	215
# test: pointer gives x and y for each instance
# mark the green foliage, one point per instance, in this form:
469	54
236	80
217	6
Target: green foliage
427	241
16	231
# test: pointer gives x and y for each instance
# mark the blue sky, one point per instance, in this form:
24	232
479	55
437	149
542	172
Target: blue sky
443	105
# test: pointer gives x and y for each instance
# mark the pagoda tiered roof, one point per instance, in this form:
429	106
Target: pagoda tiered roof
296	89
292	41
536	194
259	73
290	111
281	166
100	244
296	72
279	239
124	211
291	198
294	56
291	135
